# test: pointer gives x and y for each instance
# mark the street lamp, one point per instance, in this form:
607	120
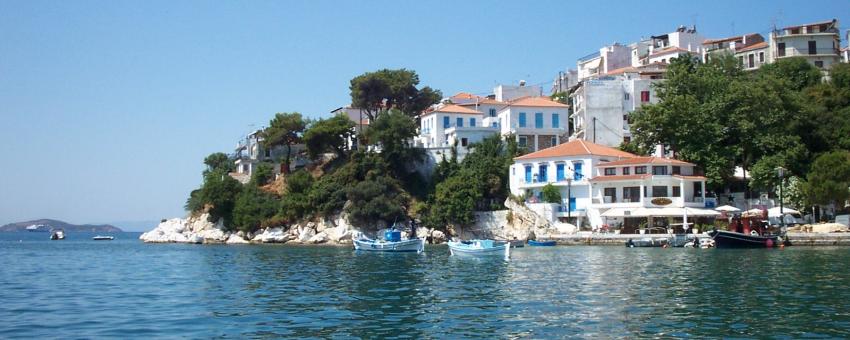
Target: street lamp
781	172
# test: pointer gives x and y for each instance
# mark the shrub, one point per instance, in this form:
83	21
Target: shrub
263	174
252	207
550	194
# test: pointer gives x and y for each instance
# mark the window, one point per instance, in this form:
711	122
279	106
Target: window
577	171
813	47
780	49
522	141
631	194
522	119
446	122
610	171
542	173
761	57
471	122
795	30
626	96
659	191
751	60
528	174
627	139
464	142
677	170
626	170
459	122
697	188
492	112
677	191
644	96
659	170
559	172
554	141
819	63
610	192
556	120
640	170
495	124
741	61
538	120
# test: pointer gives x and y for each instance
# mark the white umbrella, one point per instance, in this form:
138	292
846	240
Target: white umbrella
774	212
727	208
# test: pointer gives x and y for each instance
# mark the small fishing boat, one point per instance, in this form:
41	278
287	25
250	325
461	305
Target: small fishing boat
535	243
103	238
480	248
647	242
57	235
392	242
750	230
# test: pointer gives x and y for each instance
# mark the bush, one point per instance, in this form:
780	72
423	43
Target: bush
219	191
550	194
252	207
263	174
376	199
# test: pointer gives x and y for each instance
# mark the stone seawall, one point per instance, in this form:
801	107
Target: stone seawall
796	239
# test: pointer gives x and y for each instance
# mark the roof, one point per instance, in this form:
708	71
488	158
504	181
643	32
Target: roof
577	147
811	24
668	50
714	41
452	108
756	46
483	101
651	68
465	96
618	178
536	102
644	160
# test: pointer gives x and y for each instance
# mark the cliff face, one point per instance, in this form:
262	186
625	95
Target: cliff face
56	224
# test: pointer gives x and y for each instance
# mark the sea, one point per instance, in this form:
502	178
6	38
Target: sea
80	288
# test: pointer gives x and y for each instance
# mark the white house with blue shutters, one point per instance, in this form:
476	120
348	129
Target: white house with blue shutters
446	125
536	122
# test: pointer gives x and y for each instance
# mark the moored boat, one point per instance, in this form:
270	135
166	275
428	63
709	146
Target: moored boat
57	235
480	248
103	238
392	242
647	242
731	239
535	243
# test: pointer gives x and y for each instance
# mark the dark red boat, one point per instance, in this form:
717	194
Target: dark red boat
748	231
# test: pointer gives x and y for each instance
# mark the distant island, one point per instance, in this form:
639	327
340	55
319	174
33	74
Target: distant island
49	224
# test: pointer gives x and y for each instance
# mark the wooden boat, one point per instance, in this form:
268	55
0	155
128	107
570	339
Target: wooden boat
392	242
480	248
535	243
731	239
103	238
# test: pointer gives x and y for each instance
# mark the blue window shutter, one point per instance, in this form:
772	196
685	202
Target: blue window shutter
460	122
556	120
471	122
538	120
528	173
559	172
522	119
445	122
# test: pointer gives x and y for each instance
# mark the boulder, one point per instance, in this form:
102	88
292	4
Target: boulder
272	235
305	234
437	237
338	234
167	231
319	238
235	239
214	235
322	226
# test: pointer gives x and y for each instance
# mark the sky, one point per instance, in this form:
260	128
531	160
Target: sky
108	108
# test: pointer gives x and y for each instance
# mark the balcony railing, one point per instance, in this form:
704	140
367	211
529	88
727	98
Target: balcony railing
786	33
554	181
589	57
793	52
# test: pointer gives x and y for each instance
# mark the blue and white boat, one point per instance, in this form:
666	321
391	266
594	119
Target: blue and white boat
535	243
480	248
392	242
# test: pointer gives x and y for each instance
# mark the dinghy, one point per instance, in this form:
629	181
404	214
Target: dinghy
480	248
535	243
392	242
102	238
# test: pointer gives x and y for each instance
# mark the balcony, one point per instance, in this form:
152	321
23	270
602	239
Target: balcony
787	33
556	182
647	202
793	52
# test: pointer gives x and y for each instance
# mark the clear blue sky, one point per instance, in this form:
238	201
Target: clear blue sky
107	108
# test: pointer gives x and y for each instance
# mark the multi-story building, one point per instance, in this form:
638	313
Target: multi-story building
753	56
250	152
447	124
661	48
602	185
510	92
819	43
608	58
730	45
536	122
564	81
601	106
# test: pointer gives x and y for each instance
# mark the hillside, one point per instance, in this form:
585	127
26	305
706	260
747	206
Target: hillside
55	224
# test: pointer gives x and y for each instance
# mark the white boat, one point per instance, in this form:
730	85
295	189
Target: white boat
480	248
38	228
57	235
103	238
392	242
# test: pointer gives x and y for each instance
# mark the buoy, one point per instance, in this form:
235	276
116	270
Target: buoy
769	243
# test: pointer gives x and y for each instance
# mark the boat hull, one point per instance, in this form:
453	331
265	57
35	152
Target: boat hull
414	245
461	249
534	243
728	239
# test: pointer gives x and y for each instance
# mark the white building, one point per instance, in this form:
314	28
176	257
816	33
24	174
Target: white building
505	93
819	43
360	119
754	56
607	59
250	152
602	185
536	122
564	81
729	45
601	106
661	48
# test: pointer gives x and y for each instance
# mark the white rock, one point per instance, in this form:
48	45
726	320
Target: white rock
306	234
213	235
272	235
168	231
338	234
437	236
319	238
236	239
322	226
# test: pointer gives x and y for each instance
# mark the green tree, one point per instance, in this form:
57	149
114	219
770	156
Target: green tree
218	194
455	200
829	178
286	130
840	75
562	97
295	203
799	73
374	200
262	174
219	162
328	135
385	89
391	132
550	194
252	207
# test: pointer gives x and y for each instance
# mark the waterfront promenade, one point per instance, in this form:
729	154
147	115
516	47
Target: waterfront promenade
610	239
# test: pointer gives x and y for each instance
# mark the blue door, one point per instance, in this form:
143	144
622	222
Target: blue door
559	172
542	173
528	174
578	175
572	204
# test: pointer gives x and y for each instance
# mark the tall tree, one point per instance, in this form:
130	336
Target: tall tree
385	89
392	132
328	135
829	178
218	162
285	129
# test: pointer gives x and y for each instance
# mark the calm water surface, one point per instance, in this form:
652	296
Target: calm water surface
125	289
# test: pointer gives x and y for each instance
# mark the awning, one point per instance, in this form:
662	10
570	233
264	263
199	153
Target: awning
774	212
619	212
727	208
658	212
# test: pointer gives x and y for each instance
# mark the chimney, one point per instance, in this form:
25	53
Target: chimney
659	150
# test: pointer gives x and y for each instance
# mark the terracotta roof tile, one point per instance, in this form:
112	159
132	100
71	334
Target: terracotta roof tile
483	101
452	108
618	178
669	50
755	46
536	102
577	147
465	96
644	160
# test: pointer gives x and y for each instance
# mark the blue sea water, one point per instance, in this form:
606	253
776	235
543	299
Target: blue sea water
79	288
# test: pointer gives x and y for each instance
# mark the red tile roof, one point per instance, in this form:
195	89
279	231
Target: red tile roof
452	108
536	102
669	50
484	101
812	24
618	178
465	96
577	147
644	160
756	46
713	41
